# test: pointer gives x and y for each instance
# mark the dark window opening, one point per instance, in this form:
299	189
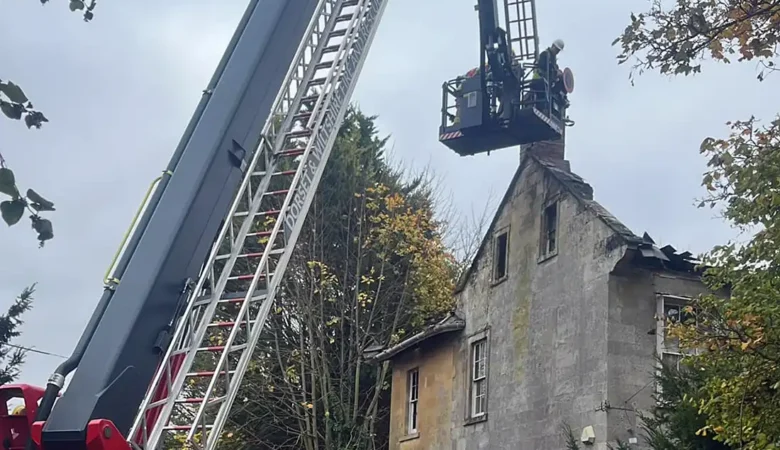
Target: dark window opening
550	230
501	250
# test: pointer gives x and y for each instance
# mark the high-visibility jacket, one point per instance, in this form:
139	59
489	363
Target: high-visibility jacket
546	66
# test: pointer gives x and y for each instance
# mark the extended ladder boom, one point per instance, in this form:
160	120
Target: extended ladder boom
125	348
189	298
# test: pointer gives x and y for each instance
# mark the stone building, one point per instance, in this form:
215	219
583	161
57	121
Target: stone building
558	323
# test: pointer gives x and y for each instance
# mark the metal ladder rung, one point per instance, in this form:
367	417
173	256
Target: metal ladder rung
291	153
298	134
275	252
221	348
209	373
331	48
248	277
324	65
183	427
345	17
197	400
338	33
302	116
317	82
275	174
229	324
231	298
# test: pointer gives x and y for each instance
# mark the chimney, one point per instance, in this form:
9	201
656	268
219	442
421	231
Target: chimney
553	151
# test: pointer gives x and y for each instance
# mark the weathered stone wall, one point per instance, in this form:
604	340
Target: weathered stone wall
547	325
633	301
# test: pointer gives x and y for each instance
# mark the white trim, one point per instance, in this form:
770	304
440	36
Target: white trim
413	401
478	378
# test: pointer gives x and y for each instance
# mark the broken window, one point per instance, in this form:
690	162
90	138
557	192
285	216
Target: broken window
479	378
500	256
413	381
672	309
549	230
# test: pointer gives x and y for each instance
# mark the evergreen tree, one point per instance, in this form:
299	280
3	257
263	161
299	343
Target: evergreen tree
11	356
674	422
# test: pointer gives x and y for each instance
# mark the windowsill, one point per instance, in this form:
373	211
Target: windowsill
410	437
547	256
476	420
499	281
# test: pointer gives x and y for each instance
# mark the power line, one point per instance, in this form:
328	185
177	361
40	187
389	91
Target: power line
33	350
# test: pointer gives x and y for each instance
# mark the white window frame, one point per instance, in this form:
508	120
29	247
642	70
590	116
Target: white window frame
478	378
663	347
413	401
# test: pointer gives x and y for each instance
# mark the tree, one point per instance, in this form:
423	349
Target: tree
15	105
11	356
369	268
733	335
674	421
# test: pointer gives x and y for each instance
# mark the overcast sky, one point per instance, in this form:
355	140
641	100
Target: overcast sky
120	90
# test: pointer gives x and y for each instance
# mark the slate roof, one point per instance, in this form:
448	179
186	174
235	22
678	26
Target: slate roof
447	325
583	192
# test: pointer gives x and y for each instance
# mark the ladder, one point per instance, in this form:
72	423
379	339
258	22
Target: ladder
521	28
211	348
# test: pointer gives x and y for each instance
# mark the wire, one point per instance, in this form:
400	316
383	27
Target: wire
40	352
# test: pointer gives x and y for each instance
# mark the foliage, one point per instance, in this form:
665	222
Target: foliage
369	268
732	336
11	356
674	422
16	106
679	39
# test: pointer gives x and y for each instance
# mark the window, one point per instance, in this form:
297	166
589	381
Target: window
671	309
413	382
500	256
471	99
549	241
478	378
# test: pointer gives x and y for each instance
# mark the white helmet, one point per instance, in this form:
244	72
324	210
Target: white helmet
558	43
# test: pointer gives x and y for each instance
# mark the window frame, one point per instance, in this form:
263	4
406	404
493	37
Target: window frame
544	241
495	279
478	382
664	348
413	401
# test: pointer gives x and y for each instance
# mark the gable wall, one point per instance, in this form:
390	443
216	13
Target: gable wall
546	325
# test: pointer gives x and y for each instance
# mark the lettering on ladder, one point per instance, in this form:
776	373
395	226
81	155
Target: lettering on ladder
316	158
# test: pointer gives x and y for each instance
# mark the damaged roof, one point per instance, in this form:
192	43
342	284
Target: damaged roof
665	257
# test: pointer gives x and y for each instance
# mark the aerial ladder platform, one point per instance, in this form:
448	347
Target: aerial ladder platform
188	299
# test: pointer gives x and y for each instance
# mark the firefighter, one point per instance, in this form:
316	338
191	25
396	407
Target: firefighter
547	79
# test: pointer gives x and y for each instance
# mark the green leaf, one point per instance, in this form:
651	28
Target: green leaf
39	203
76	5
8	182
13	92
43	227
11	110
12	211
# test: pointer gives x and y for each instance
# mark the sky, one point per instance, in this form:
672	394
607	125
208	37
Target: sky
119	91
